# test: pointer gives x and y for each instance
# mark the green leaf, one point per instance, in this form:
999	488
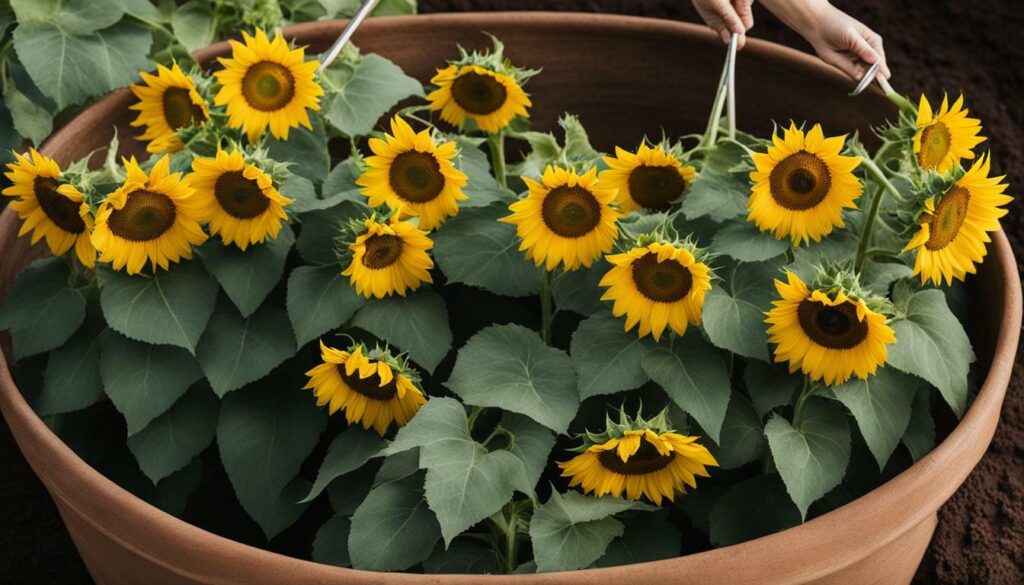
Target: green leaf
306	150
607	358
881	405
744	242
647	537
374	86
41	311
742	440
532	445
169	307
510	367
474	248
171	493
920	435
70	67
877	277
144	380
72	378
30	119
319	299
393	529
348	492
463	557
398	467
770	386
316	239
349	451
572	531
193	24
751	509
264	434
482	189
175	437
717	191
72	16
416	323
734	309
577	143
235	351
812	454
330	547
578	290
931	343
248	276
695	377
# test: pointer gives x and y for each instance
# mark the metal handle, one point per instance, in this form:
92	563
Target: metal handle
866	80
350	29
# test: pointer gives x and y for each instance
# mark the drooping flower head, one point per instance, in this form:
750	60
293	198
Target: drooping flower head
386	257
168	102
946	137
411	172
638	458
802	185
651	179
48	207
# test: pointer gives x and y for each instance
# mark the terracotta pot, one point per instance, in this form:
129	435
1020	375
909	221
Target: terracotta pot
625	77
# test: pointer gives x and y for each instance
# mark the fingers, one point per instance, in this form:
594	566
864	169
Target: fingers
845	62
875	40
727	17
745	10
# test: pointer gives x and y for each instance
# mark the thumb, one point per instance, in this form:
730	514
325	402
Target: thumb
860	47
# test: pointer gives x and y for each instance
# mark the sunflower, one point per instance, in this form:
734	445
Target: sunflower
566	218
154	217
49	208
168	101
651	179
265	83
826	336
657	285
389	258
943	139
490	98
954	230
238	200
802	184
408	171
374	388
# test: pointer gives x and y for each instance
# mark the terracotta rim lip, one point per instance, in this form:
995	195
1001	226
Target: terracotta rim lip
826	532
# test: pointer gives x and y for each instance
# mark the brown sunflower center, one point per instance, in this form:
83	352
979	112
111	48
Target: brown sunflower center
179	111
800	181
832	327
369	387
62	211
382	250
656	187
948	217
416	176
935	143
571	212
268	86
478	94
240	197
645	460
661	282
146	215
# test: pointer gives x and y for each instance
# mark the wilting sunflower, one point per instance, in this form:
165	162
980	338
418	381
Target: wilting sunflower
566	218
237	199
168	101
154	218
490	98
651	179
802	184
49	208
954	229
946	137
408	171
373	387
658	285
266	84
829	337
650	461
389	258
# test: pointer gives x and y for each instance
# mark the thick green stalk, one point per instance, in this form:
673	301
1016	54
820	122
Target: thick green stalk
496	142
546	313
869	226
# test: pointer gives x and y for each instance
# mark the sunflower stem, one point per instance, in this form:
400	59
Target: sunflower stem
869	226
711	134
496	142
546	314
805	393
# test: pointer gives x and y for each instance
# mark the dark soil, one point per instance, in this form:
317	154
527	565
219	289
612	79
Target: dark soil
935	46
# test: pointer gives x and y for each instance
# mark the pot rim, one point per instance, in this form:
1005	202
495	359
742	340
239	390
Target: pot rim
802	544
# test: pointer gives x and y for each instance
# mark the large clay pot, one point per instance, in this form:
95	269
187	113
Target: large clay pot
625	77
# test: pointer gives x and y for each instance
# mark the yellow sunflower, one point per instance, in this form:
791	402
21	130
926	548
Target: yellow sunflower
408	171
372	389
266	84
237	199
154	218
802	184
828	338
651	179
954	230
49	208
389	258
657	286
490	98
943	139
566	218
640	463
168	101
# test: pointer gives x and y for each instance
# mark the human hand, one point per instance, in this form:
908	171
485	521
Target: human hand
726	17
845	42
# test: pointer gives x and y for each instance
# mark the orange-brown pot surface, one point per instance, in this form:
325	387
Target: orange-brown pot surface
626	77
